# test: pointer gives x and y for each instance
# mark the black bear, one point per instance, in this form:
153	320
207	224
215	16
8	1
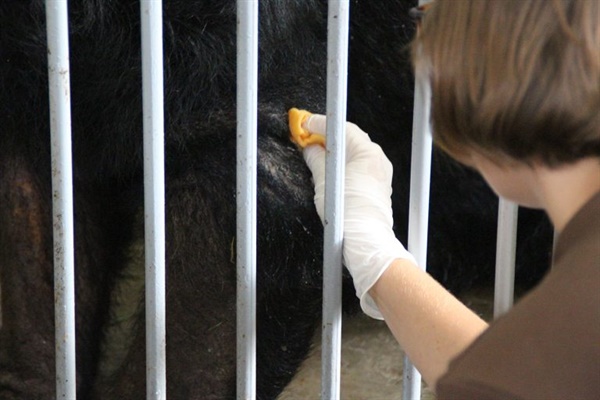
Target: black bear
199	57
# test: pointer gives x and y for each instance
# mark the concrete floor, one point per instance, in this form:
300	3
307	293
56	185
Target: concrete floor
371	359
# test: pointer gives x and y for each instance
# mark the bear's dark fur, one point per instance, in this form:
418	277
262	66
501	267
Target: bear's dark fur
199	54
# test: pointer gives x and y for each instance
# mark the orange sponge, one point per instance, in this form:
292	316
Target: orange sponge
300	135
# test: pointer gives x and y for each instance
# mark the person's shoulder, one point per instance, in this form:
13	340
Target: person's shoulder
577	249
584	223
467	389
545	347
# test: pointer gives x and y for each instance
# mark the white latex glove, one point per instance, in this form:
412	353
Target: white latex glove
369	245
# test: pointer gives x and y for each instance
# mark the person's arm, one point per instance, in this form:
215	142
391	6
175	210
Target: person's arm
430	324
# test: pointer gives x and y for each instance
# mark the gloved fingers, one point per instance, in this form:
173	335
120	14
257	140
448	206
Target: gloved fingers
314	156
299	133
316	123
307	128
356	138
358	143
372	164
364	158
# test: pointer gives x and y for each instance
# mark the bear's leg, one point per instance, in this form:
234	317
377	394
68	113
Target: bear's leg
26	279
27	345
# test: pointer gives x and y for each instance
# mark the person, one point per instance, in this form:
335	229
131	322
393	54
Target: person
515	95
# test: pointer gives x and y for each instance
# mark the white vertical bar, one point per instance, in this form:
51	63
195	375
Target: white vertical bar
247	95
337	74
418	219
154	197
62	196
506	248
554	240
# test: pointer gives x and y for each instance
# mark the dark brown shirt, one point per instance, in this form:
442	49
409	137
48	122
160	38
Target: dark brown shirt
548	346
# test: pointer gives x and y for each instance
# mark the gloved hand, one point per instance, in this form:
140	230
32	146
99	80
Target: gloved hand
369	242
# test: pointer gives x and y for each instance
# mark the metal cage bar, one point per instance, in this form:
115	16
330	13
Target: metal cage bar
62	196
506	249
418	218
247	100
154	197
418	213
337	73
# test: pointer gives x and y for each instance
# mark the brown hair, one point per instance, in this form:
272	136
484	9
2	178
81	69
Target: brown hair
513	77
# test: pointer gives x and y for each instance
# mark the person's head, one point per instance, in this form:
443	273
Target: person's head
516	78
